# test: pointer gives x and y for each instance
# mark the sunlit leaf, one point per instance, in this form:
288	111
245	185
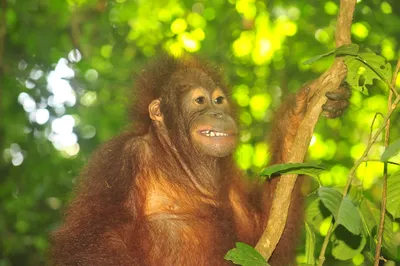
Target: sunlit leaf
349	49
310	169
393	195
310	245
364	68
343	210
391	150
245	255
378	64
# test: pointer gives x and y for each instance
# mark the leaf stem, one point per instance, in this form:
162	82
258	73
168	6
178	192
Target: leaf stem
321	258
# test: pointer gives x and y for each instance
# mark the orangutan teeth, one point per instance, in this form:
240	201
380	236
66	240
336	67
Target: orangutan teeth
210	133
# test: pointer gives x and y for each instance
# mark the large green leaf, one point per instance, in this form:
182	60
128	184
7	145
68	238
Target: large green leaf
371	217
343	210
391	150
245	255
344	246
393	195
310	169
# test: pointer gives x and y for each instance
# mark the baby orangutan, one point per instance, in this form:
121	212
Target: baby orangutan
168	192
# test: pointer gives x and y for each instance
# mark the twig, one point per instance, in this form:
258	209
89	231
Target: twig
385	174
392	87
373	123
328	81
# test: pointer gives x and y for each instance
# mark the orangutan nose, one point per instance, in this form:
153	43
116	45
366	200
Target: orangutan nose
217	114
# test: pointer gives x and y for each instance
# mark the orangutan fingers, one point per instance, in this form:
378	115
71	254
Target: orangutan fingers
334	114
342	93
332	106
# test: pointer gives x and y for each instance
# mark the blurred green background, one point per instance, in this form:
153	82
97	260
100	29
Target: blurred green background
66	69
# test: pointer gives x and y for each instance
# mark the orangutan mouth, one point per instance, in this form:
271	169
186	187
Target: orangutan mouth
211	133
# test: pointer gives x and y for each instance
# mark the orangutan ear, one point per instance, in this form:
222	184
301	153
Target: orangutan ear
154	110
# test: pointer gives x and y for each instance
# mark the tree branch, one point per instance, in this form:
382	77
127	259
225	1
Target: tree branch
328	81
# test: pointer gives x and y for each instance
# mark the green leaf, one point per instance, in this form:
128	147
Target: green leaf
391	150
349	49
331	199
310	169
364	68
349	217
378	64
371	216
245	255
314	213
317	57
343	210
368	225
393	195
345	247
310	245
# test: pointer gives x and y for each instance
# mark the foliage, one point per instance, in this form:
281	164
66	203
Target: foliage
245	255
364	68
391	150
393	197
67	66
310	169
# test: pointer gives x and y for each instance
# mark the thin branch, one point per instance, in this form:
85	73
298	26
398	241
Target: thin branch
328	81
385	173
372	125
392	86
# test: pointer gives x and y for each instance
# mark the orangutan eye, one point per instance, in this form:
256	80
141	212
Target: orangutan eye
200	100
219	100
